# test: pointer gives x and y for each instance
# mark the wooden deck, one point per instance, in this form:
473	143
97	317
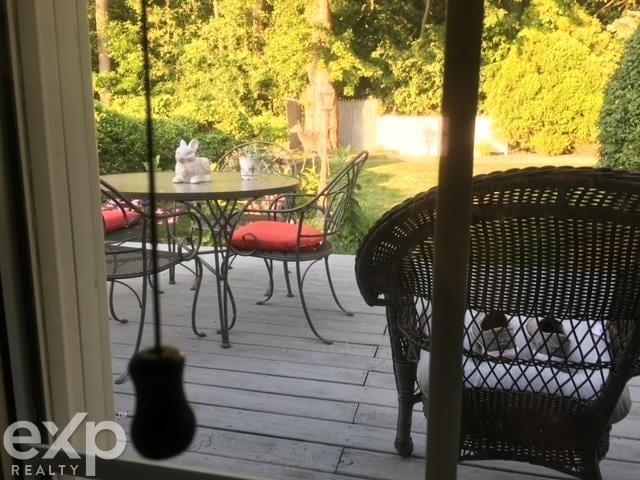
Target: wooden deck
279	404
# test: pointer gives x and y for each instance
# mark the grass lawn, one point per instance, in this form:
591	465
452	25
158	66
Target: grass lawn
387	179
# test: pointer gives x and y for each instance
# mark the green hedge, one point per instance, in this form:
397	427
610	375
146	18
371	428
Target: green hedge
548	92
620	117
122	140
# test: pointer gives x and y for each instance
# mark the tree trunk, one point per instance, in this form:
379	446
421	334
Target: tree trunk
425	17
104	62
322	113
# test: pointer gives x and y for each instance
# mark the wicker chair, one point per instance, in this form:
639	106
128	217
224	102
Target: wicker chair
128	255
295	240
559	244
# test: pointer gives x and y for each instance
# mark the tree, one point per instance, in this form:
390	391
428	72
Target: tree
547	93
321	111
620	117
104	62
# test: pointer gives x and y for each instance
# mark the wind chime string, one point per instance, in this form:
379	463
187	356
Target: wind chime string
163	424
152	181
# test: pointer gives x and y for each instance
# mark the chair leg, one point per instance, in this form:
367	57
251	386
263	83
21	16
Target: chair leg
269	292
233	306
121	379
405	373
286	279
154	287
592	469
333	290
300	279
198	282
233	310
112	311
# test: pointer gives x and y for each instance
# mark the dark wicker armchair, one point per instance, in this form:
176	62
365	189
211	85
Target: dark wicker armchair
552	331
128	253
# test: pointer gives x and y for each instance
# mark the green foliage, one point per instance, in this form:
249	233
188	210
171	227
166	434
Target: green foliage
156	165
309	180
355	225
620	118
354	228
229	66
547	93
122	141
416	75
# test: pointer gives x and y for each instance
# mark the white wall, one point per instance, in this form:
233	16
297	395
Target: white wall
419	136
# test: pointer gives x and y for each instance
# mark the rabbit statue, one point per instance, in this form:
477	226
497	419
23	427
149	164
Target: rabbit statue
189	167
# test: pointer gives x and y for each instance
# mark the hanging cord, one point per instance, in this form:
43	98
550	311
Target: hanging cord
144	30
163	424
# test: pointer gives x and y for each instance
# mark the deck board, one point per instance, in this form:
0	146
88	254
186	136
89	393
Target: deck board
279	404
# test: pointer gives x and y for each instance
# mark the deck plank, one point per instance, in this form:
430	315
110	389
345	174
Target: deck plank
293	428
261	402
269	367
262	448
273	384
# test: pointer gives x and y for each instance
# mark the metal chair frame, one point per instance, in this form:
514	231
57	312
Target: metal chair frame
273	159
120	254
329	207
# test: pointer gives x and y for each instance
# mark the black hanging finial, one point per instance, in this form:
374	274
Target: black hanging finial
163	423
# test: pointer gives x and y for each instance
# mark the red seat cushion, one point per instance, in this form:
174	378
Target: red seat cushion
117	219
275	236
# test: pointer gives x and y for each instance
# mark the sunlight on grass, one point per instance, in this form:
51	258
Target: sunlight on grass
388	180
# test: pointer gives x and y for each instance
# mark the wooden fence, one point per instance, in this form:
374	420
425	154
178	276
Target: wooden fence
357	123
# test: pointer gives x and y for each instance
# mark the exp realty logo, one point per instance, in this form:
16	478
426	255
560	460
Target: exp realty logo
60	457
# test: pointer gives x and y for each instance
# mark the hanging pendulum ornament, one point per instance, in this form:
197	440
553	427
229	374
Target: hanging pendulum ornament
164	424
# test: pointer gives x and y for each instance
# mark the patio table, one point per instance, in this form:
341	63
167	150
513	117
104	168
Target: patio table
220	203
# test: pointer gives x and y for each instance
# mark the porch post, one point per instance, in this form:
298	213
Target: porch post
459	106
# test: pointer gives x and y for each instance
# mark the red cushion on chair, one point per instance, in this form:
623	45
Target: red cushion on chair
117	219
275	236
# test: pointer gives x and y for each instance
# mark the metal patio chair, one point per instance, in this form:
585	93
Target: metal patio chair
128	253
274	159
552	330
288	235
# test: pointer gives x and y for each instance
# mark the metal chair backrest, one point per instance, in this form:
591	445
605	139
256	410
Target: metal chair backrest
336	198
272	158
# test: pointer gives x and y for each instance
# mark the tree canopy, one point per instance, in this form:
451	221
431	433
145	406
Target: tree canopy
230	65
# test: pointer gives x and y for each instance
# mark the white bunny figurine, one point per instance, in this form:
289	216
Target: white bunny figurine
189	167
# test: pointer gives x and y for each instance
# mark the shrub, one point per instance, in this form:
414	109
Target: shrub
547	93
620	117
122	140
417	75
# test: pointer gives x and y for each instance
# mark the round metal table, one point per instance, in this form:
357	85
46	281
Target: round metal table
220	203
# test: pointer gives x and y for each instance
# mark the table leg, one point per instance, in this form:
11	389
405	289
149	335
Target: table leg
221	219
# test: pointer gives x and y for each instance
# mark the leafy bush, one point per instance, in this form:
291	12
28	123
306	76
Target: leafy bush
546	95
122	140
417	75
355	225
620	117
